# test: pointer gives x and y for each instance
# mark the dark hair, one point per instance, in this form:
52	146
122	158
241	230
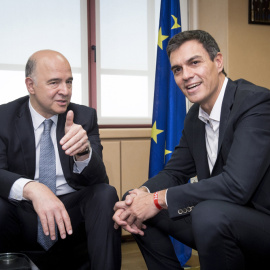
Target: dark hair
30	67
208	42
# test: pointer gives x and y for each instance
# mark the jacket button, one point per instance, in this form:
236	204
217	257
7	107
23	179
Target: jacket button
180	211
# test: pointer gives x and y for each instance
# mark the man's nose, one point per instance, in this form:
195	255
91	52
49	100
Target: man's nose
187	73
65	88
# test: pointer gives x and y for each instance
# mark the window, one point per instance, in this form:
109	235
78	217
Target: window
126	32
32	25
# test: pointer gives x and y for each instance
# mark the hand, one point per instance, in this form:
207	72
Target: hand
75	139
49	209
120	207
141	209
129	228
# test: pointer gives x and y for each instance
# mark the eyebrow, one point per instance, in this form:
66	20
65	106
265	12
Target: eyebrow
58	79
187	61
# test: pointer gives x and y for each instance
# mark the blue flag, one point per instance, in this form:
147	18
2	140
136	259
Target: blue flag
169	104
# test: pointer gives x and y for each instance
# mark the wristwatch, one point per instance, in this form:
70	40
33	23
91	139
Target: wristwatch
86	151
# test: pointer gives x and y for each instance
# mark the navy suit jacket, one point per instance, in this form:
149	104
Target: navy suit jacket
18	153
241	174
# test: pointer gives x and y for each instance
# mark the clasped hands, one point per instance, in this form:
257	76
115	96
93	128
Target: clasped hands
137	207
46	204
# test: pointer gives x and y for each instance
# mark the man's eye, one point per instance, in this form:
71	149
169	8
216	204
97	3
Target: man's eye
195	62
176	70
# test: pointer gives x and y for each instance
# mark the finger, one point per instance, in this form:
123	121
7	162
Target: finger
69	120
76	145
67	222
44	224
51	225
76	140
115	226
129	199
117	219
138	223
134	191
133	229
131	219
119	205
139	231
61	226
125	215
63	223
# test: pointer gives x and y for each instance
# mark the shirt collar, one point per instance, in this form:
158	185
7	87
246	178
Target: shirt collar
39	119
216	111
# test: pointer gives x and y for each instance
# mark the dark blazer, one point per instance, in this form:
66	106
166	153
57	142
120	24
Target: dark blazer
241	174
17	146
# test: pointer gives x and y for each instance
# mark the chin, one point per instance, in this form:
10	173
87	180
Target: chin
60	110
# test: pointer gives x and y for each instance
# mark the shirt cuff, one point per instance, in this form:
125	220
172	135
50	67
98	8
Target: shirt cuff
79	166
147	189
166	197
16	191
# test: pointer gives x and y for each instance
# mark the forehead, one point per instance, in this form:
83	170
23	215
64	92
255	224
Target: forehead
188	50
55	66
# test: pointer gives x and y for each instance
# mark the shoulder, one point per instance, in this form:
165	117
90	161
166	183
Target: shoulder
250	94
245	88
80	108
249	100
14	107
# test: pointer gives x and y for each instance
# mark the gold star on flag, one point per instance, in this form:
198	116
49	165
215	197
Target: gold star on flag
167	152
155	132
176	25
161	38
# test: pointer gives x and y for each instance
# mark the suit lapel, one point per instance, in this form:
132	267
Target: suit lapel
200	152
224	117
25	133
60	132
225	110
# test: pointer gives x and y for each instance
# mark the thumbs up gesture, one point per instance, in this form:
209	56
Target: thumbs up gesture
75	140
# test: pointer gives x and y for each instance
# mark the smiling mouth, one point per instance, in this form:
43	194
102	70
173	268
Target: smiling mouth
192	86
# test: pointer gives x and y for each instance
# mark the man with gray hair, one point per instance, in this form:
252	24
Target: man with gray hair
53	183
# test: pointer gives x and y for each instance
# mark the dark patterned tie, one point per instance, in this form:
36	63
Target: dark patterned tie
47	176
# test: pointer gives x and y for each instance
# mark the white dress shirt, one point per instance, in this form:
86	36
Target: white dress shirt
62	186
212	122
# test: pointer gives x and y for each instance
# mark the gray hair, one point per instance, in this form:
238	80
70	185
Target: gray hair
30	67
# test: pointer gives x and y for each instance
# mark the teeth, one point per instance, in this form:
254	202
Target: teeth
193	85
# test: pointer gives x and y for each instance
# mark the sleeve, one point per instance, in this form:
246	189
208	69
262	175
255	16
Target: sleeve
95	171
180	168
245	152
16	192
80	165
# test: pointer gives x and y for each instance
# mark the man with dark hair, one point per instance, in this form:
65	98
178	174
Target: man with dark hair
226	144
53	183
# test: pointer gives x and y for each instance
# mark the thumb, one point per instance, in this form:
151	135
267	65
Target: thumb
69	120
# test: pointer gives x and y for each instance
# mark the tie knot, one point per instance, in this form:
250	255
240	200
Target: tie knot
47	124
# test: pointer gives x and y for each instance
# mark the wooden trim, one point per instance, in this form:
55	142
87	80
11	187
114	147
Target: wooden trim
125	133
125	126
91	20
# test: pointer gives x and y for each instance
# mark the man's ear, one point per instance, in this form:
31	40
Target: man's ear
30	85
219	62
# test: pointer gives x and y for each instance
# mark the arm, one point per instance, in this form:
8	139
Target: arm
245	155
77	138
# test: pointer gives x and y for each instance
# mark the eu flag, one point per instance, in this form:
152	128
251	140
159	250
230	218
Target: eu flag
169	104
